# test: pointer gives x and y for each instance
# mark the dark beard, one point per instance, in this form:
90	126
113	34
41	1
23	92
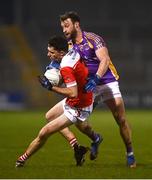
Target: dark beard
73	36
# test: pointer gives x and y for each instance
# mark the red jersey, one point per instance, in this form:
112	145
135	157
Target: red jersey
74	72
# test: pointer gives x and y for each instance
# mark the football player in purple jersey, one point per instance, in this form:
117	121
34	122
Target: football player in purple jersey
103	77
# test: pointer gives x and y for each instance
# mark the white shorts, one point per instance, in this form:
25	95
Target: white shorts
74	114
107	91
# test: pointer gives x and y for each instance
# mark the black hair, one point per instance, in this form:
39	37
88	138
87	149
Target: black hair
59	43
72	15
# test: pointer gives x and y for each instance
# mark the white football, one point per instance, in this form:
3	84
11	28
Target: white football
54	76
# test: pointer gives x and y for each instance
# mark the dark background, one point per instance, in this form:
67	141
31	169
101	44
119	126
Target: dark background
26	25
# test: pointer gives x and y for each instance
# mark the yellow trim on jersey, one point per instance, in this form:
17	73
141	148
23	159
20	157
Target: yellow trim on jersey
89	43
113	70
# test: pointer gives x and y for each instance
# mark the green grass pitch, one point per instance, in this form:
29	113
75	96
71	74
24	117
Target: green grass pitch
55	160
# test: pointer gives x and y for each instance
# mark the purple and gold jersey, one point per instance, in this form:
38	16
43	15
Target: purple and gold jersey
86	48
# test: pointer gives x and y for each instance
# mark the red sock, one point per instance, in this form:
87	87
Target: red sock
23	157
73	142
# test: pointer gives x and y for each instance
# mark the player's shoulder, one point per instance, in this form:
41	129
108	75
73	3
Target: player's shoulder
70	59
93	37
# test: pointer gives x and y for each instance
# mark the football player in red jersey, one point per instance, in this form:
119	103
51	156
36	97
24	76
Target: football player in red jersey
74	109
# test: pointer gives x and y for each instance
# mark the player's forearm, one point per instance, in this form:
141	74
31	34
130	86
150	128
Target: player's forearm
68	92
103	66
104	58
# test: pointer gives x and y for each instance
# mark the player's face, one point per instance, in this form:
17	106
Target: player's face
69	29
53	54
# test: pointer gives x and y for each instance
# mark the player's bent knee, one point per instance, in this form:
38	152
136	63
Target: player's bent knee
48	117
43	134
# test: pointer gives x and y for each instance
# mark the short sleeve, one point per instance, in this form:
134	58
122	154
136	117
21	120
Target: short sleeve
96	40
68	76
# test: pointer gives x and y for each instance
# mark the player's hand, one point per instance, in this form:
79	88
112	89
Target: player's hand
92	83
45	82
54	64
